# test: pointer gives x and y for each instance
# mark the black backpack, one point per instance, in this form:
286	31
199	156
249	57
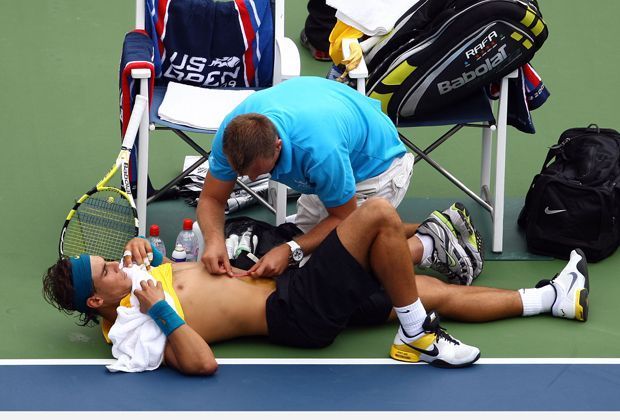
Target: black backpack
268	236
574	201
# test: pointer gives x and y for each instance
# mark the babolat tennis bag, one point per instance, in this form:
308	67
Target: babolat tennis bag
574	201
441	51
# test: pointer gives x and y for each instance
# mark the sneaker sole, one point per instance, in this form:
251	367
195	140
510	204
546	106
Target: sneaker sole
445	365
466	227
582	295
448	223
313	51
409	357
404	356
581	305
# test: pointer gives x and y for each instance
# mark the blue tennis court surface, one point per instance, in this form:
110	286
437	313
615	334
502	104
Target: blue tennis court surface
316	387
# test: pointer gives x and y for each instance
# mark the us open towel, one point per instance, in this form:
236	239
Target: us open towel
372	17
199	107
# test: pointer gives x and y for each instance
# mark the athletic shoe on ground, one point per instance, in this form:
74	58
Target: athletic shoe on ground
434	346
448	256
316	54
469	237
572	288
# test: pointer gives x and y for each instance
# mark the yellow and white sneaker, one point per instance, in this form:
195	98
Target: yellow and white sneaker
434	346
572	287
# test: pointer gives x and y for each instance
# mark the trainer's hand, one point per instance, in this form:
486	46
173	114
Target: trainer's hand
151	293
138	250
272	263
215	258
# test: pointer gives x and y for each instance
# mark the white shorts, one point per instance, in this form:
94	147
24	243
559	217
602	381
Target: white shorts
391	185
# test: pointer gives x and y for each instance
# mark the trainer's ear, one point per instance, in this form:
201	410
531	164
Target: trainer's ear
94	302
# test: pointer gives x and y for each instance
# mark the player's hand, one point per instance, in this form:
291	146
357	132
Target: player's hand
272	263
215	258
151	293
138	250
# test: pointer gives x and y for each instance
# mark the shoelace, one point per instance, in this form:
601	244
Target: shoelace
441	333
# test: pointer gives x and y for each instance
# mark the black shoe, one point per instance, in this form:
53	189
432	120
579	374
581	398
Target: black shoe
316	54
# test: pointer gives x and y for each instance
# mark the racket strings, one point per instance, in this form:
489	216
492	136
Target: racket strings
102	225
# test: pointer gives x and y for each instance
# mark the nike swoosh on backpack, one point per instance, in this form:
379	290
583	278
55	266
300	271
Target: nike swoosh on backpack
432	352
549	211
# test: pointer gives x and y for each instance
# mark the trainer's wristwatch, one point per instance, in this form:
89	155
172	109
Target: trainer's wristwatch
297	254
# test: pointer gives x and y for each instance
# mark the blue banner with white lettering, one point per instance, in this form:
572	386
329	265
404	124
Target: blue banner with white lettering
211	43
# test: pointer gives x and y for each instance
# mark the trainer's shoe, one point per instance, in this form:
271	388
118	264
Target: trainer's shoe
572	288
434	345
316	54
448	256
469	237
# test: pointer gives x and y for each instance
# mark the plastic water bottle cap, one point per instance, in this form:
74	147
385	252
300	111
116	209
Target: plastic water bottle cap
187	224
154	230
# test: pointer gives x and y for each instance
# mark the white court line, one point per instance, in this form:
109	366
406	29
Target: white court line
339	361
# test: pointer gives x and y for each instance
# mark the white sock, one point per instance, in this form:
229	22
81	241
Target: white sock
428	246
411	317
537	300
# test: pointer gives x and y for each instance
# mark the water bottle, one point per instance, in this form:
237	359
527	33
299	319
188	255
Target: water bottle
155	240
178	255
188	239
245	243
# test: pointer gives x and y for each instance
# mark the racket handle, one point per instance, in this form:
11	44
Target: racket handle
138	110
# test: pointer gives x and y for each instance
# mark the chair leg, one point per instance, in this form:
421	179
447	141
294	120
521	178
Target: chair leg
500	170
278	198
143	162
485	164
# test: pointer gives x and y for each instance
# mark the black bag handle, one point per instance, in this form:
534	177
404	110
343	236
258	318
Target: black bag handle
558	149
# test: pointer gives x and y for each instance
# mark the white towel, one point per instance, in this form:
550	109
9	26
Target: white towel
372	17
137	342
199	107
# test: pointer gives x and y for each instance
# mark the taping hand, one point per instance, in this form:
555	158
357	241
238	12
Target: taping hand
138	250
215	258
273	263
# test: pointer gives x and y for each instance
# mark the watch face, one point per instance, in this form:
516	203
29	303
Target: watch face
298	254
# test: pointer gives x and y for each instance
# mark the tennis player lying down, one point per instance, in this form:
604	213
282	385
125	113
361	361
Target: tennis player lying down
358	275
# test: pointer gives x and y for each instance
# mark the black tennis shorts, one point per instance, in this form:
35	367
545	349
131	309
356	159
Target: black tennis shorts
313	304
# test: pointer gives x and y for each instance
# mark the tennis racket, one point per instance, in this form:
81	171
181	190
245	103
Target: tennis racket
105	218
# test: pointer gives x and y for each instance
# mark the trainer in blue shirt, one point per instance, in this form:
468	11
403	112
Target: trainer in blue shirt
320	138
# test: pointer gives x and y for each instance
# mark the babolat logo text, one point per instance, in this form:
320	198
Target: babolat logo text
196	70
480	47
488	65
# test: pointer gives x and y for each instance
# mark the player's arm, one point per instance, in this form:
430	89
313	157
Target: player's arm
185	349
189	353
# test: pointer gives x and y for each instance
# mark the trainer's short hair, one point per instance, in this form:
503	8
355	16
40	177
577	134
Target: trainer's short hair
247	137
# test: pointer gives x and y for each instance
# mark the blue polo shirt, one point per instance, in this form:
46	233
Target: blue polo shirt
332	137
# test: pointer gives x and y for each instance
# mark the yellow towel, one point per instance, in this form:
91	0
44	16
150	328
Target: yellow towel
341	30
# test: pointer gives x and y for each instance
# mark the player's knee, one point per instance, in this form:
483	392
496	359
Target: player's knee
383	213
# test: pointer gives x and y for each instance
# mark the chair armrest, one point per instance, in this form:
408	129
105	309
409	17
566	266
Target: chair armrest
360	73
287	62
135	63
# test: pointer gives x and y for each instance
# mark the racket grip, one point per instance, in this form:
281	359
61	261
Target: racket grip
139	108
